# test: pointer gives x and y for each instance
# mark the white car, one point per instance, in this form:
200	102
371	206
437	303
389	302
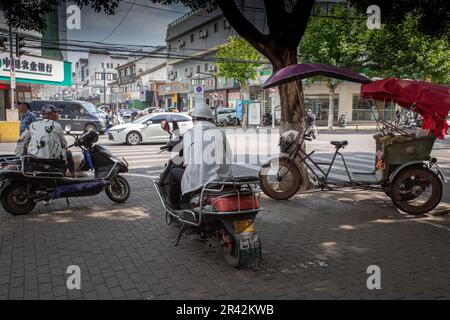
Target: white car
148	128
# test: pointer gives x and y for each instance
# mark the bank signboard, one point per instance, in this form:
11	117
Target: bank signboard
35	70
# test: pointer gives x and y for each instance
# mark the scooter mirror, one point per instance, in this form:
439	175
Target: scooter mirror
67	128
165	126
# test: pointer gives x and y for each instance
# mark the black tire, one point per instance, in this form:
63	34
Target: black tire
410	184
387	189
13	202
90	127
119	189
289	170
134	138
231	252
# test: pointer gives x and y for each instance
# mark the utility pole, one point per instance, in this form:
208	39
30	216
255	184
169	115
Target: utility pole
104	86
12	67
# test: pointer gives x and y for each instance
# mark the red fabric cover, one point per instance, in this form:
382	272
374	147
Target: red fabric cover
432	101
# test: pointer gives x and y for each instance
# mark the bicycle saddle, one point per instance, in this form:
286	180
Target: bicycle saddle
339	144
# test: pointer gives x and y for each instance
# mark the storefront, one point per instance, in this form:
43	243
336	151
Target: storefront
174	95
34	76
320	106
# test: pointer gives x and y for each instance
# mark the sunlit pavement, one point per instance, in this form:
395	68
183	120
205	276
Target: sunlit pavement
316	245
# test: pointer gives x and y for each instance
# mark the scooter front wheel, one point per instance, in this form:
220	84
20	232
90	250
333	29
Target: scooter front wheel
13	200
119	189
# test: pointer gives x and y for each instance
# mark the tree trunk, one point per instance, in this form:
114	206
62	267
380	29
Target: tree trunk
291	94
245	94
292	105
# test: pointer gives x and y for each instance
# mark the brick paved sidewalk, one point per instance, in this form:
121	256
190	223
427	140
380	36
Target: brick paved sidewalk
316	245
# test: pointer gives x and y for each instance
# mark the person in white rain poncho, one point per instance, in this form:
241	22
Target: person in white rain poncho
45	138
206	153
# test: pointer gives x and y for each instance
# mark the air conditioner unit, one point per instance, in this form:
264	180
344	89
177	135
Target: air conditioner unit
181	43
203	34
171	77
226	24
212	67
188	74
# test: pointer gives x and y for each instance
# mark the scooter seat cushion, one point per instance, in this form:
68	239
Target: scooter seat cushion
242	179
339	144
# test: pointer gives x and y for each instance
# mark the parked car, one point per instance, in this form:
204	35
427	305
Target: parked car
104	107
225	115
102	114
148	128
127	113
80	115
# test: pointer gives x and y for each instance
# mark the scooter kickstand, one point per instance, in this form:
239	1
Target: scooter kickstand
183	229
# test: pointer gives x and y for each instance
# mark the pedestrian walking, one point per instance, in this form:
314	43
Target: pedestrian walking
26	116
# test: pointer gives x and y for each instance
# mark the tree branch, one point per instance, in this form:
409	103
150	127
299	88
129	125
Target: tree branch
300	15
244	27
275	13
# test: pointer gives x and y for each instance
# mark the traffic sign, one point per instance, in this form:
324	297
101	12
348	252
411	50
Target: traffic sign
199	90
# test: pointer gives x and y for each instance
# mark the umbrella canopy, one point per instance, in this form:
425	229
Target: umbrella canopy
430	100
307	70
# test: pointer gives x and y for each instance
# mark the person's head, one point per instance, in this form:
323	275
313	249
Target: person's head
24	107
202	113
309	111
51	112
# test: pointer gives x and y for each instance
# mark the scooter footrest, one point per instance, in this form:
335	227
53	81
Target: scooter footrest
190	215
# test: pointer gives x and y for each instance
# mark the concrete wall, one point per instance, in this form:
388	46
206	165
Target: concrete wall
345	91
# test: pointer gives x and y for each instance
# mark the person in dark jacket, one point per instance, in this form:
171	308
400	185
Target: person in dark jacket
26	116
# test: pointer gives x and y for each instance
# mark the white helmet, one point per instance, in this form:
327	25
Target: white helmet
202	112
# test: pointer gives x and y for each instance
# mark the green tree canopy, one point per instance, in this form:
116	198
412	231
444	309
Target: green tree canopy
237	49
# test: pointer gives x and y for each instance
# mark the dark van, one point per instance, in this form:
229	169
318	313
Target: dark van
80	115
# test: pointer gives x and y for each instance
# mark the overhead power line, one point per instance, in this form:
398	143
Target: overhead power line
121	21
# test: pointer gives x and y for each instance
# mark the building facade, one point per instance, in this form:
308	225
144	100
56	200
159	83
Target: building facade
136	76
92	76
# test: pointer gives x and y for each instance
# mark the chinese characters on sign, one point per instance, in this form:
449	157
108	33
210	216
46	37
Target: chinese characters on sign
27	65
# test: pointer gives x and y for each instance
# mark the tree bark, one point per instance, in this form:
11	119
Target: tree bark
245	93
291	94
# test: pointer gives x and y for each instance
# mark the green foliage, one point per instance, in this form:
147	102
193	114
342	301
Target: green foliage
433	16
237	49
337	41
402	51
396	50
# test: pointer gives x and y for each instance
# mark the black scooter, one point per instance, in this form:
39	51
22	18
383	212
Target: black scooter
224	210
26	180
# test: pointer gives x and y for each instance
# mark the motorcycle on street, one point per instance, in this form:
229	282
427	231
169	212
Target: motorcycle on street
27	180
224	210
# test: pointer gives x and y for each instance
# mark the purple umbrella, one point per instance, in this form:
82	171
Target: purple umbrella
306	70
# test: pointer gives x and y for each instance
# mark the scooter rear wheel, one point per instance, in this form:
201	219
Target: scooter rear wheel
230	250
119	189
14	202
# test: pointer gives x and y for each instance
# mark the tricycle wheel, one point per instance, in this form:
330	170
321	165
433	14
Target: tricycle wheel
119	189
387	190
14	201
280	179
416	190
